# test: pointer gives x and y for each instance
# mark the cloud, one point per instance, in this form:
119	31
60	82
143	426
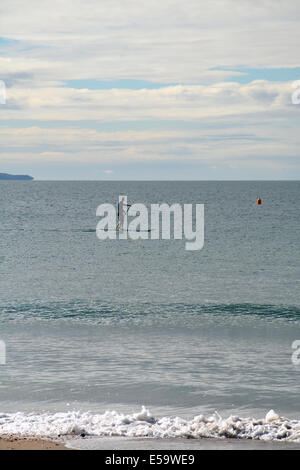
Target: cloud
169	103
169	41
194	45
231	146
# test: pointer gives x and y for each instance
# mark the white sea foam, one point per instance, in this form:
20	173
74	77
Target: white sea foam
143	424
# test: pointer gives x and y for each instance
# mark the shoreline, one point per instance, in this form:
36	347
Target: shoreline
138	444
176	444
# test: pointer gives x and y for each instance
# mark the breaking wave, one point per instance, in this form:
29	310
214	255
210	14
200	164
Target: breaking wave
144	424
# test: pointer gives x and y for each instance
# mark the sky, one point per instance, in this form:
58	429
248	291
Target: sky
132	89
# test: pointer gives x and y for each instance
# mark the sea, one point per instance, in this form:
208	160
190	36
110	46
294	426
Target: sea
143	338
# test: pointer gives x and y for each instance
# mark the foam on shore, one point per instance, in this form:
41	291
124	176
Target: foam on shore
144	424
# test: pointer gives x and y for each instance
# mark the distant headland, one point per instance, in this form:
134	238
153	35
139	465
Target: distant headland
7	177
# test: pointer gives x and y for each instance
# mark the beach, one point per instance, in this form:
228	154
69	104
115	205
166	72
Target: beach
149	225
180	444
125	444
16	443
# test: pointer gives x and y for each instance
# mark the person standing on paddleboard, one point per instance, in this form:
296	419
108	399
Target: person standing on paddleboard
121	212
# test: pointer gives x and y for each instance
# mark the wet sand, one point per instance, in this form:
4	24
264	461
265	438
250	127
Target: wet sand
15	443
125	443
119	443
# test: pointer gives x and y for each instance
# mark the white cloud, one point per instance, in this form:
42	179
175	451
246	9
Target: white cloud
233	146
169	41
169	103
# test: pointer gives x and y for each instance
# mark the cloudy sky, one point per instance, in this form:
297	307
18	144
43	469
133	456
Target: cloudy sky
160	89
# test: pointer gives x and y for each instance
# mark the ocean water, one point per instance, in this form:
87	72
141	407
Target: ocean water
95	330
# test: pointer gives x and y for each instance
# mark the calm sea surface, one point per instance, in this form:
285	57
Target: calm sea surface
93	325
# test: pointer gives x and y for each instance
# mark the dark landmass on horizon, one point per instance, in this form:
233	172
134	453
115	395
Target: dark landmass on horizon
8	177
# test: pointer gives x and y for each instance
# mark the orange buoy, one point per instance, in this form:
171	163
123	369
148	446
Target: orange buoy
259	201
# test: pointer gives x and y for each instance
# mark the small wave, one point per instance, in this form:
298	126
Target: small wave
143	424
177	314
